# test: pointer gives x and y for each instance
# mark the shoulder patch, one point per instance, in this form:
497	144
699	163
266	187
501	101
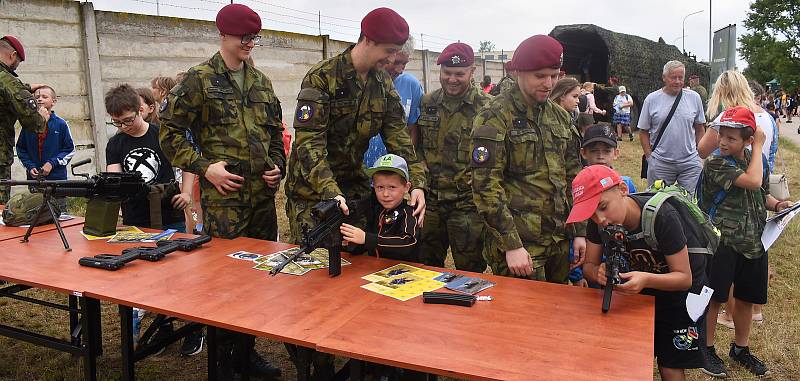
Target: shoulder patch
164	104
480	155
31	103
305	111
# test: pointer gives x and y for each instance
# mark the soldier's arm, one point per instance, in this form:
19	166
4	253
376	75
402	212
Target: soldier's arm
573	163
25	107
182	108
488	151
395	137
311	136
275	129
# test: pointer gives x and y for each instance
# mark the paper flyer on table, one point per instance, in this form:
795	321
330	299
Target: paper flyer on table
776	224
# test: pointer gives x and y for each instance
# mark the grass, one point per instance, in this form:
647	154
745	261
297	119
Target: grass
777	341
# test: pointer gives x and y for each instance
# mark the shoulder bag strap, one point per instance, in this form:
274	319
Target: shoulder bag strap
667	120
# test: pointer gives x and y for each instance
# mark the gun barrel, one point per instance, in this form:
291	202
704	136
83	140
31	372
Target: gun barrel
607	294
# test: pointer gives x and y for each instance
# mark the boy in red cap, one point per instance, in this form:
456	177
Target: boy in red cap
602	197
734	191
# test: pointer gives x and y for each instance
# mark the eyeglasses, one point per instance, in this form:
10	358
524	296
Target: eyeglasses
250	37
127	121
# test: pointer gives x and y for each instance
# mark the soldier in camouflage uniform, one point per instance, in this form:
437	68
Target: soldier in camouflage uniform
445	127
16	103
525	153
343	102
235	118
505	83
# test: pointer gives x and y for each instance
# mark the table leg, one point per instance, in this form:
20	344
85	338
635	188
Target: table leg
90	355
211	336
126	334
356	370
96	324
304	363
74	322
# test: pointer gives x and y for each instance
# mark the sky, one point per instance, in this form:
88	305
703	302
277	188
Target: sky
434	24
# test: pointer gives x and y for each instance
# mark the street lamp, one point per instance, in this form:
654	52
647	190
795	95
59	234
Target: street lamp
683	29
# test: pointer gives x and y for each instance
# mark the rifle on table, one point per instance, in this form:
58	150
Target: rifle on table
106	186
329	217
615	237
147	253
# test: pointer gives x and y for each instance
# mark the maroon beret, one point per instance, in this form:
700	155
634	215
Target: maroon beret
16	45
537	52
457	54
384	25
238	20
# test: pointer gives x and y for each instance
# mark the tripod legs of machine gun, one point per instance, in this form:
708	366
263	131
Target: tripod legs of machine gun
47	204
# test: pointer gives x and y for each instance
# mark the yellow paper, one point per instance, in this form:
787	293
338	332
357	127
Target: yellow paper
119	230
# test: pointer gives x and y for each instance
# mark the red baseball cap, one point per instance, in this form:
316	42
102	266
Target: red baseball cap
587	187
537	52
737	117
238	20
384	25
457	54
16	45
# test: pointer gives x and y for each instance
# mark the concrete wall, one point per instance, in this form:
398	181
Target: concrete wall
132	48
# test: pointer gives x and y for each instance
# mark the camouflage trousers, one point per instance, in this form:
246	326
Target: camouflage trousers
255	221
5	191
456	225
550	263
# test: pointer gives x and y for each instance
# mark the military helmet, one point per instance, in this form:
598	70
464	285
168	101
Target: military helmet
22	208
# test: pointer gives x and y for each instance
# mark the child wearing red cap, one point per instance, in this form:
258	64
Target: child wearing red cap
734	191
602	197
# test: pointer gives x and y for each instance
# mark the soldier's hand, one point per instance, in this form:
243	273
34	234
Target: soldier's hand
223	180
353	234
519	262
181	201
44	113
418	202
579	250
272	177
343	205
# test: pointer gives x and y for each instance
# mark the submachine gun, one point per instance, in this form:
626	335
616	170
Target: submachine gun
614	236
105	192
329	217
147	253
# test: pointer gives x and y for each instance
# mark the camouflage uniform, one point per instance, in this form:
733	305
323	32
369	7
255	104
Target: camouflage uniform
505	83
240	126
699	89
523	162
451	219
16	102
742	214
336	116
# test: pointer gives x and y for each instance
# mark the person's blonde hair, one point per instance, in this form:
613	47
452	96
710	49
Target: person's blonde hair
588	85
730	90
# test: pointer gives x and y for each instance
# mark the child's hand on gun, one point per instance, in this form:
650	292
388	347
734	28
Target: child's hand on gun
634	282
352	234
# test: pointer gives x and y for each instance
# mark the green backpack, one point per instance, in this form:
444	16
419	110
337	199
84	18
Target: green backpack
22	208
696	223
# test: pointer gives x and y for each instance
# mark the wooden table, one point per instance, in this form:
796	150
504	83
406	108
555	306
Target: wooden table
531	330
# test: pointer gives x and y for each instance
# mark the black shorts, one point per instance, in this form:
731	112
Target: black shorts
677	338
749	276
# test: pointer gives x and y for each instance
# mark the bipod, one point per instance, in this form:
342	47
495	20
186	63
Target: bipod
47	205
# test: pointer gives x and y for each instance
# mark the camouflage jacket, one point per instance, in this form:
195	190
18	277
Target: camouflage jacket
445	126
505	83
240	126
337	113
16	103
523	161
742	213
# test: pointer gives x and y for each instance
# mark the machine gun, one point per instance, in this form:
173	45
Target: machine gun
615	237
329	217
104	191
147	253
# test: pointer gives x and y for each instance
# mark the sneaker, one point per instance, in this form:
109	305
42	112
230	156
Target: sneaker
630	136
262	368
749	361
193	343
164	331
713	365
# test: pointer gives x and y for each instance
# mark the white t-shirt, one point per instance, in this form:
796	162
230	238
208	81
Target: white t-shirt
679	144
619	100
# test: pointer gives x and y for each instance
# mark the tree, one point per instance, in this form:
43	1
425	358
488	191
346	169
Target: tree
772	50
486	46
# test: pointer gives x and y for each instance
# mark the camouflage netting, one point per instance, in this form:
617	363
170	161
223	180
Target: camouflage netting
636	61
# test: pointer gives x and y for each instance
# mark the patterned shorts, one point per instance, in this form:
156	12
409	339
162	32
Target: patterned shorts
621	118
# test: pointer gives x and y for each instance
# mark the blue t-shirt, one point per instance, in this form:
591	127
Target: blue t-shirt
410	91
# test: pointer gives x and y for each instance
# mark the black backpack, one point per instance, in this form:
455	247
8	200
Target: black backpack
583	103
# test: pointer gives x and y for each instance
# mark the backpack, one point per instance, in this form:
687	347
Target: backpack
583	103
22	208
695	224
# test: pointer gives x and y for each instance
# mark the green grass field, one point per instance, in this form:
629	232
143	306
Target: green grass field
776	341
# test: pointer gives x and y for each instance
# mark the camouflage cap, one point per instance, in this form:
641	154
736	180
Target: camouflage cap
391	163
